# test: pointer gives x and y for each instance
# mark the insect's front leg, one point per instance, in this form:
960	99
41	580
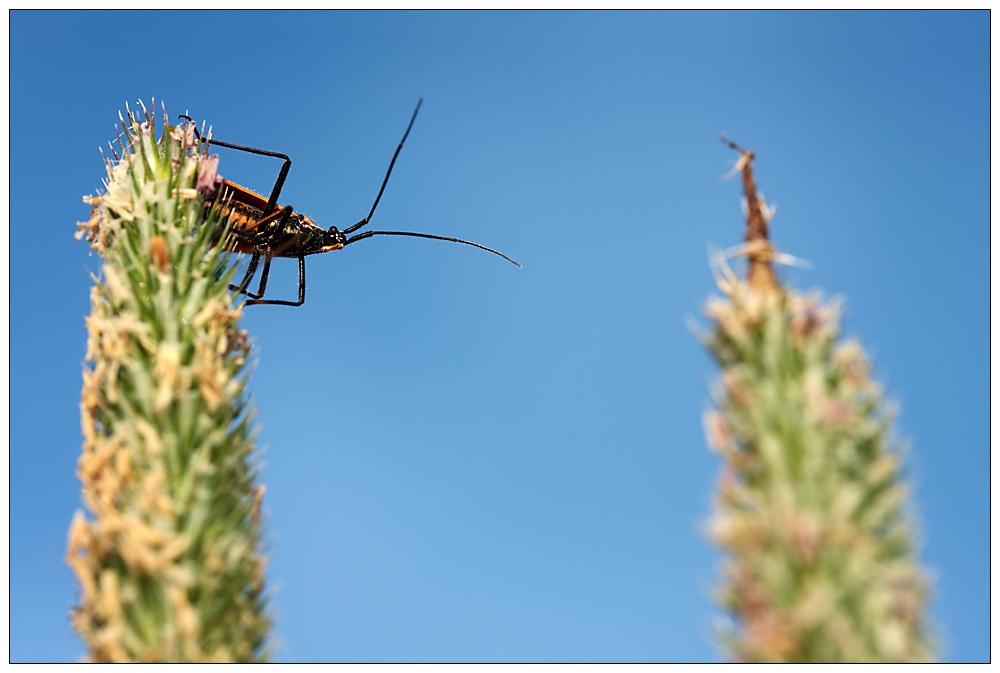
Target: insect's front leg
261	235
282	302
266	238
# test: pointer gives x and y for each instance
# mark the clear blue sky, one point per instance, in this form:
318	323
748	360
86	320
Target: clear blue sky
466	461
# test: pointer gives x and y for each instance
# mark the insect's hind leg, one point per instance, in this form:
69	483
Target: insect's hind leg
272	201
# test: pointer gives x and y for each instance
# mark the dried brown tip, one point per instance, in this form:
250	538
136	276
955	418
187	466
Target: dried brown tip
760	252
159	253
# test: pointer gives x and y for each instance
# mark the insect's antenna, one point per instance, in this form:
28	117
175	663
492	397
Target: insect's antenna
387	173
352	239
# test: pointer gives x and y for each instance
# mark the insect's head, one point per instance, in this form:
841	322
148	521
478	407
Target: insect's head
335	239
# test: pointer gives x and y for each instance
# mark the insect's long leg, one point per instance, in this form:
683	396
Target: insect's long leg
366	234
283	214
263	280
387	173
251	268
281	302
272	202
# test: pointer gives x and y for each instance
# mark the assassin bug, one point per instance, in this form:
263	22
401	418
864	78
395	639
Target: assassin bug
262	228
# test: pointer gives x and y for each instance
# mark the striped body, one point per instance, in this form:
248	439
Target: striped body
256	234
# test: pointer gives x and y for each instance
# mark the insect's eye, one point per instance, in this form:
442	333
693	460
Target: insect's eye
333	230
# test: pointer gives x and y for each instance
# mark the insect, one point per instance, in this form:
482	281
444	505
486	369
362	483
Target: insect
262	228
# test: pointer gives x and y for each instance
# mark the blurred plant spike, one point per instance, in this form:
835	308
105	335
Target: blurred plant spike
168	562
811	510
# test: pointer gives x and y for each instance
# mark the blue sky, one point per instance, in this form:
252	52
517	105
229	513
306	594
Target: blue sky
470	462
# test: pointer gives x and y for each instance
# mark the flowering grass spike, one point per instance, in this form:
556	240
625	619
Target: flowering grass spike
168	560
811	508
